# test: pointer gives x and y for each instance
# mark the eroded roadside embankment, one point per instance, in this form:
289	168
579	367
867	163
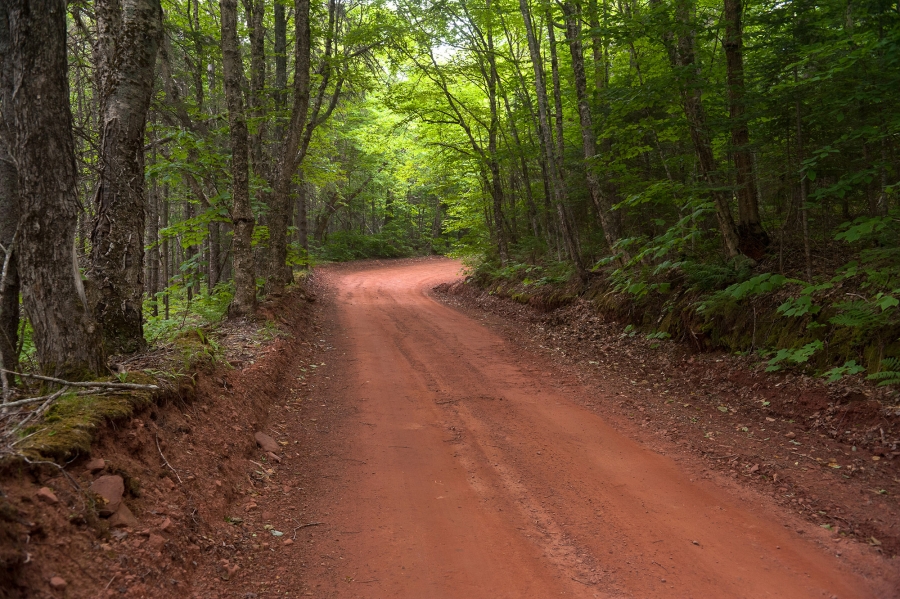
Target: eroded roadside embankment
169	473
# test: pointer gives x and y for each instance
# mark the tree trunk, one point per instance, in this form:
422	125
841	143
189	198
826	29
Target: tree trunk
9	209
153	243
608	218
256	14
683	60
493	162
280	51
244	300
128	39
557	91
546	139
67	339
302	223
166	256
753	237
280	204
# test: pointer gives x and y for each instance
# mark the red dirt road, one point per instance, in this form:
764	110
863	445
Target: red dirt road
467	470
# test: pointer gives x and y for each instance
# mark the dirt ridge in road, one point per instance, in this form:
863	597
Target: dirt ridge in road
771	432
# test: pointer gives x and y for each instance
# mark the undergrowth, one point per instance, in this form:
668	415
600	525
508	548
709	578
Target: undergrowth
845	321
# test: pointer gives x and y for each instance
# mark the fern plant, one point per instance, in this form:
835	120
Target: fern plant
889	372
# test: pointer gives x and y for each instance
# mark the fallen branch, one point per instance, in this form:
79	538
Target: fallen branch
50	399
101	384
22	402
165	461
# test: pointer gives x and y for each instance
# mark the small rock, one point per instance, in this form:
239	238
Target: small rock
110	487
273	457
96	465
156	542
754	468
123	518
266	442
58	582
250	506
287	542
696	542
166	525
168	483
47	496
790	435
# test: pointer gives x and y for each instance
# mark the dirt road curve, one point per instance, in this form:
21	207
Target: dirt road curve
468	472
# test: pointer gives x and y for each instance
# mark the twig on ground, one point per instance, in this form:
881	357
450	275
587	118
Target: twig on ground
304	526
102	384
22	402
50	399
165	461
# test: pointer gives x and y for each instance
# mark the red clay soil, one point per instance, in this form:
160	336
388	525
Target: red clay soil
434	451
441	460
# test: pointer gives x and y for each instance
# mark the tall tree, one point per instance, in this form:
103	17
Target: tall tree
66	337
241	216
546	139
609	219
682	54
289	160
752	236
9	208
129	32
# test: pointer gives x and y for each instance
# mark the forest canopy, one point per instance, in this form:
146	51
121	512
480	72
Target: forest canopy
686	156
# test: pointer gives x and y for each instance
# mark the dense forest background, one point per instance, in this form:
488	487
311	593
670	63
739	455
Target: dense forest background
724	172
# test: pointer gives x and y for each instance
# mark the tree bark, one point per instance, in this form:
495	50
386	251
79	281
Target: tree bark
256	14
152	242
280	204
302	222
9	208
492	79
166	255
546	141
66	337
129	32
242	221
609	219
557	89
683	59
753	238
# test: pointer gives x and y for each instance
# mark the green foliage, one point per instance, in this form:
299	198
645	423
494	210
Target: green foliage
201	311
850	367
799	355
343	246
889	372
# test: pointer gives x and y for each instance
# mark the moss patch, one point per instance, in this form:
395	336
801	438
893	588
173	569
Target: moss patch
68	427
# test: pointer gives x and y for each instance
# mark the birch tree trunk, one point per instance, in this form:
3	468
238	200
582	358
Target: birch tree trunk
66	337
129	32
244	300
